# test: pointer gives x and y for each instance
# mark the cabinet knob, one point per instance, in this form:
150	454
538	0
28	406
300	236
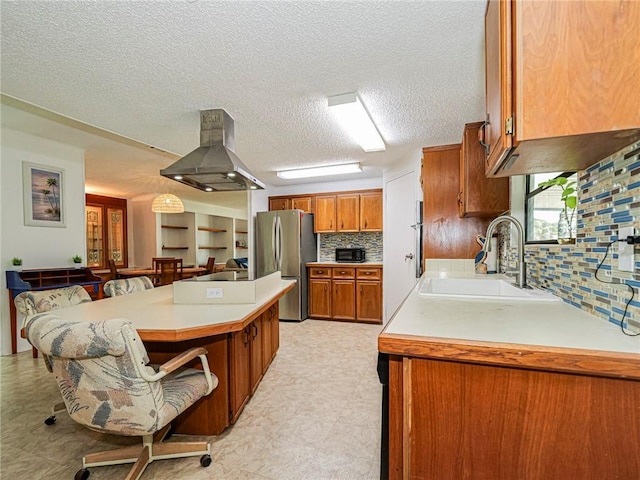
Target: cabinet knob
342	272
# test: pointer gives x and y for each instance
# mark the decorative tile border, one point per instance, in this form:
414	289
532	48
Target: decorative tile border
608	199
370	241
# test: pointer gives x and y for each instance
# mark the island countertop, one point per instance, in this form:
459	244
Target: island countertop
545	335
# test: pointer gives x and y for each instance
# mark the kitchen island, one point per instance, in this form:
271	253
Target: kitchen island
509	389
241	340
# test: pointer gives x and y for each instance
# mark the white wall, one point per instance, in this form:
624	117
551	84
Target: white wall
39	247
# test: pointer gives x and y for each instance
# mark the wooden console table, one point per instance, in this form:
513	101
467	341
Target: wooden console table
46	279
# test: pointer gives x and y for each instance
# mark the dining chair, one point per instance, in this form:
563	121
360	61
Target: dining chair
211	265
167	270
125	286
39	301
102	369
114	270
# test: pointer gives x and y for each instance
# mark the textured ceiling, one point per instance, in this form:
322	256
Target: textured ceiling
143	70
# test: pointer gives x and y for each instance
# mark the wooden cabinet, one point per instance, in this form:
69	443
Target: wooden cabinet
348	213
325	214
257	334
445	234
479	196
558	102
270	336
302	203
279	203
345	293
240	370
106	223
371	212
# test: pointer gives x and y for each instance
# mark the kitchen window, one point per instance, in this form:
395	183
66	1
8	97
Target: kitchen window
543	206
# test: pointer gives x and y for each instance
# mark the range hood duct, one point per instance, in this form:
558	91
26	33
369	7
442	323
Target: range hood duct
213	166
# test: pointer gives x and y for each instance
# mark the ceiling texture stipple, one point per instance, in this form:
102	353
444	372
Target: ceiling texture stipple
144	70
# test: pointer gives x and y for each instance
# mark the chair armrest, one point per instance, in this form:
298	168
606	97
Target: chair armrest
184	357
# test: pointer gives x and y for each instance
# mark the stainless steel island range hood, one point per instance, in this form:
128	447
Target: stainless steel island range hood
213	166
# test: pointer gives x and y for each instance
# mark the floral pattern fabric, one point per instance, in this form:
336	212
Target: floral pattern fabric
125	286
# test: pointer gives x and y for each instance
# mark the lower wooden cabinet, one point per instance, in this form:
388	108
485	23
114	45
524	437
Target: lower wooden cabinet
345	293
240	370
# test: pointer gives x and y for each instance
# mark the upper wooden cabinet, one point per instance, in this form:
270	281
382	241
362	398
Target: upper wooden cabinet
479	196
371	212
279	203
325	214
562	83
303	203
348	213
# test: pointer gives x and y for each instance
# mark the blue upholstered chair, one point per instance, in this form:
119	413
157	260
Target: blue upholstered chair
125	286
102	369
40	301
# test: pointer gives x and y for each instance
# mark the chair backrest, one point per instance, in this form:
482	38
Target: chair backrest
167	270
114	269
125	286
38	301
95	366
211	265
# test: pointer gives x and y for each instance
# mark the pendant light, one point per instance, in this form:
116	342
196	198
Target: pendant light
167	203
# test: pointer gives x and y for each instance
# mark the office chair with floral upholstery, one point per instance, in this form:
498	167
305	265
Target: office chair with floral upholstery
102	370
39	301
125	286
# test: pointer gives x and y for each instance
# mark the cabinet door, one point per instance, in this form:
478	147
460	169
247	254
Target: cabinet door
348	213
275	328
240	370
325	214
302	203
320	298
371	212
479	196
279	203
116	224
267	341
369	301
344	300
95	248
498	81
256	332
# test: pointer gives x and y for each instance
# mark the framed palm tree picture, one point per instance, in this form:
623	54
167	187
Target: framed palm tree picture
43	195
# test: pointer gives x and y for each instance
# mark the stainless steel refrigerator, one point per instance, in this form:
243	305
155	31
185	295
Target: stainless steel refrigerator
285	241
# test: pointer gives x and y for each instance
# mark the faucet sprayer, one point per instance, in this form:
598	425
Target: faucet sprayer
521	273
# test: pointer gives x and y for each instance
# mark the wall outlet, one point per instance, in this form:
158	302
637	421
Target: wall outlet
625	251
214	293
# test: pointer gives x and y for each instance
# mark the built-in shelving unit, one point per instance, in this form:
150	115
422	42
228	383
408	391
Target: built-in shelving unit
212	248
177	227
175	248
213	230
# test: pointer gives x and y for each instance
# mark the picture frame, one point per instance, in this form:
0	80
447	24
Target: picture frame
43	192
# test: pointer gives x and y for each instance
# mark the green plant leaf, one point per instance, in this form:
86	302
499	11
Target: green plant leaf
571	202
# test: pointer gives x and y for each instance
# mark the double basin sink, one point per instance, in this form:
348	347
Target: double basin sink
481	288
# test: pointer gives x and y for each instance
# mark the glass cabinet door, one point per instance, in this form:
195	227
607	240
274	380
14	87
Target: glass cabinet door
95	251
115	235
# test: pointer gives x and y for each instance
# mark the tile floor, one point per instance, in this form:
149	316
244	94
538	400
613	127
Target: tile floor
315	416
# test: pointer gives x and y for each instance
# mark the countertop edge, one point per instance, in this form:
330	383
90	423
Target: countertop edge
536	357
344	264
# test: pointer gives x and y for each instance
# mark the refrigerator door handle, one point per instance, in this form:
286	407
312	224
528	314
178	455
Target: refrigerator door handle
273	241
279	243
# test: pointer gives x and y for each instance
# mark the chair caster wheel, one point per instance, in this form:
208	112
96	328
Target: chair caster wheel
51	420
205	460
82	474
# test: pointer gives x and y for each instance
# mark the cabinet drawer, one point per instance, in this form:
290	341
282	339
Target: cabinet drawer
369	273
344	272
319	272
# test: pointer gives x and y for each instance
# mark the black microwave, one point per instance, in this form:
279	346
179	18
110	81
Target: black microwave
347	255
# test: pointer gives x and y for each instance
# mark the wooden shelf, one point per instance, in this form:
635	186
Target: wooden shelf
212	248
238	231
174	226
242	248
214	230
174	248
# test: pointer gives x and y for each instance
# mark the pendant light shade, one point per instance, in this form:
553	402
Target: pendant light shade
167	203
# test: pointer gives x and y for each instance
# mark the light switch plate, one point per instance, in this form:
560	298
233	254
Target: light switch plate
214	293
625	251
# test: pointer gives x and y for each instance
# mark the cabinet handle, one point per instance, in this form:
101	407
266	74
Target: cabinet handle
365	223
368	273
459	195
342	272
482	135
255	330
246	337
325	288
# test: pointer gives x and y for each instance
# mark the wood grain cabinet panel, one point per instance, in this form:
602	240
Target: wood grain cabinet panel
371	212
479	196
369	301
256	332
302	203
348	213
240	370
320	298
325	214
558	102
343	300
279	203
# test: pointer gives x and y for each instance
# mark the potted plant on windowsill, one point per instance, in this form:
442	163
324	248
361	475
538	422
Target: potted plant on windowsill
17	264
566	226
77	260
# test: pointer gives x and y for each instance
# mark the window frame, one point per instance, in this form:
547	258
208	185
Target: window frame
531	194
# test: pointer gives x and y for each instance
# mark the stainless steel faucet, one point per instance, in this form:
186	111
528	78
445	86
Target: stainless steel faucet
521	273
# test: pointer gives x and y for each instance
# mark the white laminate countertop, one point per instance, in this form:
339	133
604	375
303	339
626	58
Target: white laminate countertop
344	264
153	310
547	324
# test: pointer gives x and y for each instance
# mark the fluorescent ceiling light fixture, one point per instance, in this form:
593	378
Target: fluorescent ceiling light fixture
355	120
167	203
320	171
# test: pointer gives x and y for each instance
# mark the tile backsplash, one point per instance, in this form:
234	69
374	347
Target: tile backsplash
370	241
608	199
